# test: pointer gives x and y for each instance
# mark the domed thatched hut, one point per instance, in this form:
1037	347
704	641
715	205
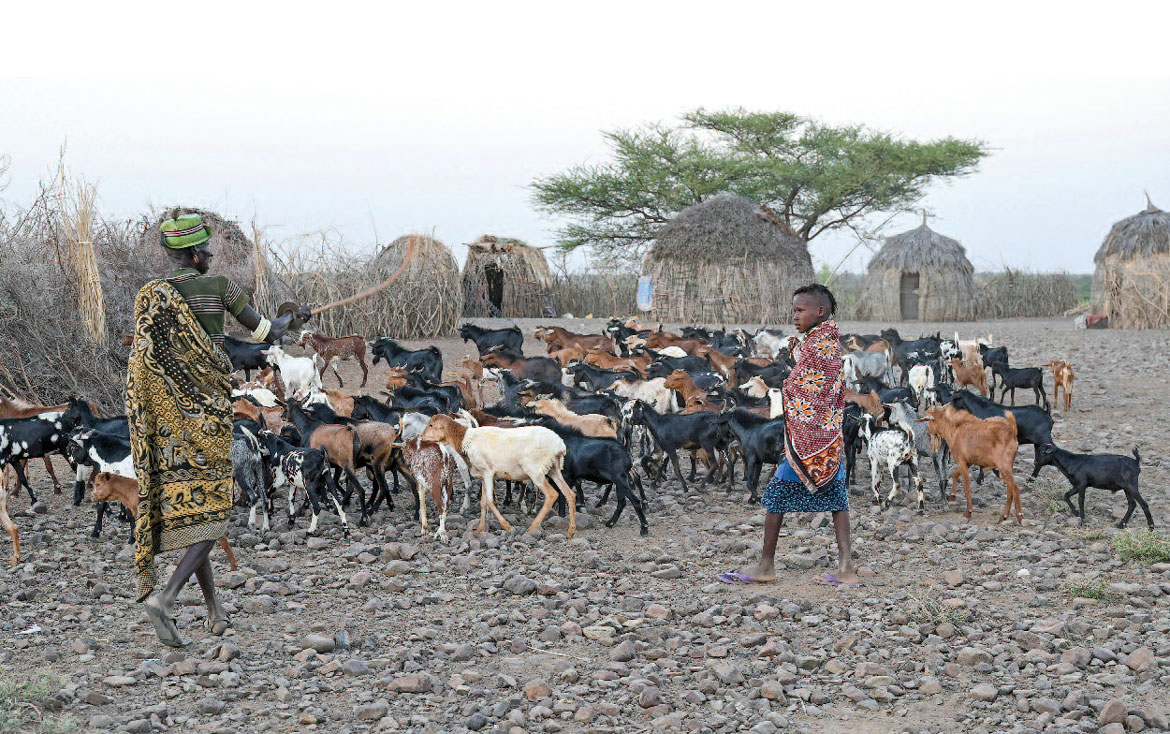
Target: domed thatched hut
505	277
1131	284
426	301
726	260
920	275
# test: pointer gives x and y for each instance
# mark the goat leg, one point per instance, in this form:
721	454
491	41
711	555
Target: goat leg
673	454
21	479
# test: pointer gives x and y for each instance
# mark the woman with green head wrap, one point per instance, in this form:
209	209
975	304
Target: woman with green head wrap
177	401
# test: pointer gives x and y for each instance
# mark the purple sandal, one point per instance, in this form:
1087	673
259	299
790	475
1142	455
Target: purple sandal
735	576
829	579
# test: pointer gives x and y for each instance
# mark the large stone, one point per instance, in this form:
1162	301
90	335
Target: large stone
984	692
519	585
649	697
974	656
928	685
319	643
537	689
728	673
371	711
1113	712
411	684
624	652
1141	659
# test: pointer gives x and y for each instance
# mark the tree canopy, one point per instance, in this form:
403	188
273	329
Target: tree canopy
815	177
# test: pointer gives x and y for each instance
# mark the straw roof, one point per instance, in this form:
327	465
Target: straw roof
728	228
1144	234
726	260
921	249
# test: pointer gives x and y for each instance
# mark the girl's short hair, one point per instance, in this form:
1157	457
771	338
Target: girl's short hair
821	293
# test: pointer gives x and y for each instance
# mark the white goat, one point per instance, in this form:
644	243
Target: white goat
590	424
775	403
300	374
867	364
921	381
653	392
527	453
261	395
970	348
769	343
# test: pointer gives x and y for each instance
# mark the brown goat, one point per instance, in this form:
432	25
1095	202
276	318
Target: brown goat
8	479
572	353
1062	376
606	361
396	378
109	487
720	361
559	338
334	349
869	402
990	443
598	426
966	374
427	469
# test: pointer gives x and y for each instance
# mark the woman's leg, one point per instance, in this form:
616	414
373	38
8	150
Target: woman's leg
845	571
765	570
217	620
159	605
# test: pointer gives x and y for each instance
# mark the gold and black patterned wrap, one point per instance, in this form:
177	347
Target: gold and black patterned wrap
177	400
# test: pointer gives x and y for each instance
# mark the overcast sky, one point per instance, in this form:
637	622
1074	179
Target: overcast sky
416	119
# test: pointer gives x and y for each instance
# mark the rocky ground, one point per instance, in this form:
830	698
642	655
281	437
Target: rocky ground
959	626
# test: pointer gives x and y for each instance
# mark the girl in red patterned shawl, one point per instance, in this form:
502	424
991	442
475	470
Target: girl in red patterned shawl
812	477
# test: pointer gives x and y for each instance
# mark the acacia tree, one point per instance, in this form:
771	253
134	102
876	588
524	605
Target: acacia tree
814	177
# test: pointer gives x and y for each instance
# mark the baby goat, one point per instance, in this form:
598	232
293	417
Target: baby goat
1102	471
109	487
1062	377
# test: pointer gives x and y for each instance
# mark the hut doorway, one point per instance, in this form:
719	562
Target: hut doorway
493	276
909	293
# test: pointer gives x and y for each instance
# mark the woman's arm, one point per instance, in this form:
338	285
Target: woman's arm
250	319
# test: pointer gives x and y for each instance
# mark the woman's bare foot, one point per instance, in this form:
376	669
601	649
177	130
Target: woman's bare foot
164	624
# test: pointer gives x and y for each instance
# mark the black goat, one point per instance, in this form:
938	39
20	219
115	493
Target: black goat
303	468
604	461
761	442
992	356
1028	377
592	377
485	340
246	356
428	361
1033	423
673	431
772	375
1111	472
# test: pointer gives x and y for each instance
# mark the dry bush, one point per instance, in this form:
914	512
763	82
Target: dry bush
1010	294
46	349
601	294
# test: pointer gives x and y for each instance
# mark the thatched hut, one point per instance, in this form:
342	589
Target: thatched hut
1131	284
920	275
505	277
427	300
726	260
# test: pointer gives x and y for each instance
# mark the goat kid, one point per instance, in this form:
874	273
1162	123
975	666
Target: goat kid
1111	472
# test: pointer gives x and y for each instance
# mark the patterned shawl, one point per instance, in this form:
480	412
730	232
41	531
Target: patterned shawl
180	429
814	398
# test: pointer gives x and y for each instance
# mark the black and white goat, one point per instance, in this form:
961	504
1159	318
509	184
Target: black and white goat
305	469
249	469
31	438
94	452
891	448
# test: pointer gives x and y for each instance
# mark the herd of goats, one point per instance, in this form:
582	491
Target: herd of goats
581	413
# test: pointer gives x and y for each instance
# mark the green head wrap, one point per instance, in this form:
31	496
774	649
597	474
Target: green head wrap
185	230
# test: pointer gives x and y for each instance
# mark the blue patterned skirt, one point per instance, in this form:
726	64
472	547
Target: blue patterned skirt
786	493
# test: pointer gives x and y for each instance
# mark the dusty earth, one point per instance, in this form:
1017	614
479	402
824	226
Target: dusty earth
959	626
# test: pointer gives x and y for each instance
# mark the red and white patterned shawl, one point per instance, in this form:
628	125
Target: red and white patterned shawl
814	400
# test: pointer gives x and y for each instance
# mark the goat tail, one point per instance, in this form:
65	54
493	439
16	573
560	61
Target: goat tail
1137	457
1011	419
